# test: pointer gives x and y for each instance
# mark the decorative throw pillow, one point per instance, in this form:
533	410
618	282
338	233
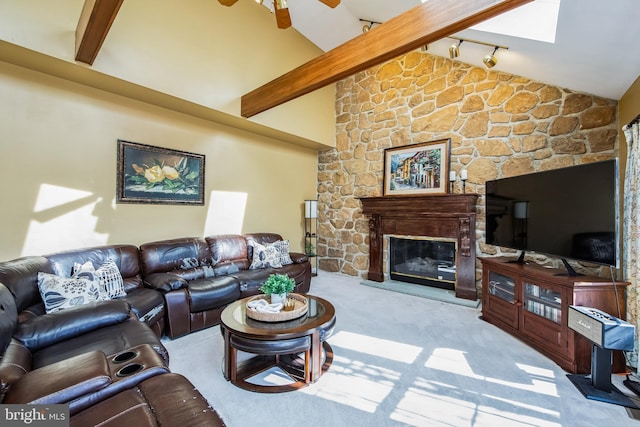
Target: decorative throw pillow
108	276
283	247
265	256
59	292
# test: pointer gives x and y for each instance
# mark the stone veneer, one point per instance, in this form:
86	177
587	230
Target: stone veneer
500	125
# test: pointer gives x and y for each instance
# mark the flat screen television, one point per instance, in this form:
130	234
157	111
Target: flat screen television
570	213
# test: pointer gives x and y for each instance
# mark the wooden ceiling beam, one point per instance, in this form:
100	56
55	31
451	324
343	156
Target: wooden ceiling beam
94	24
417	27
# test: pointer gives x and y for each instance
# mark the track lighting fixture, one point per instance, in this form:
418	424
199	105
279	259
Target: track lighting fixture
489	61
369	25
454	50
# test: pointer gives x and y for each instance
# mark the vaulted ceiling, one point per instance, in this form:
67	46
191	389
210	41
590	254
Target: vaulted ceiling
595	49
591	47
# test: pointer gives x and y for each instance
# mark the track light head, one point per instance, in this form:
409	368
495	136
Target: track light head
369	24
454	50
490	61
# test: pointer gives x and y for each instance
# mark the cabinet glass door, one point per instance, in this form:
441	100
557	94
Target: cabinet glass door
542	301
502	286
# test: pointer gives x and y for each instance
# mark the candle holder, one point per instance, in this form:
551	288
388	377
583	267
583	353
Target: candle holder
463	177
452	181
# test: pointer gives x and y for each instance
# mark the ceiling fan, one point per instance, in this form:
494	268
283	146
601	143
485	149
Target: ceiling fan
281	9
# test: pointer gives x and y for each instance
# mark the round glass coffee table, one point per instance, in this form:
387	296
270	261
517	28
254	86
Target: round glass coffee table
278	344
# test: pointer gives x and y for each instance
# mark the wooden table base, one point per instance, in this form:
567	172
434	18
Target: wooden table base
292	365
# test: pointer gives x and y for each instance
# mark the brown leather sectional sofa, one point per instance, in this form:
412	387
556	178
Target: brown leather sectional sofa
105	358
199	277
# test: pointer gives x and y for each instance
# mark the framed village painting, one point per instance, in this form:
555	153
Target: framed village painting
148	174
417	169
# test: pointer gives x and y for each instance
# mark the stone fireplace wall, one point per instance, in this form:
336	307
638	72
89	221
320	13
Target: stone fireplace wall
500	125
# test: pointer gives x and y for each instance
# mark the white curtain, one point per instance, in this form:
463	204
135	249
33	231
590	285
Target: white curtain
631	227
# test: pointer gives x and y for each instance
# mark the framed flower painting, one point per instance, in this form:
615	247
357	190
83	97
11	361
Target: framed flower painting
148	174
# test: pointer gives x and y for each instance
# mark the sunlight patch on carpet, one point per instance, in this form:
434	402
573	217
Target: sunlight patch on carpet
455	362
271	377
387	349
438	404
356	384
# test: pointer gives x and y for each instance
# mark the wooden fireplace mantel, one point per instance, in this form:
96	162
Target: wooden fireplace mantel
450	216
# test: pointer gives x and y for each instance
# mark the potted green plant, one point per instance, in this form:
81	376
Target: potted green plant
278	286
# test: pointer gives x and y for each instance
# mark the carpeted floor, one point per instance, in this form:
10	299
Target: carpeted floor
402	360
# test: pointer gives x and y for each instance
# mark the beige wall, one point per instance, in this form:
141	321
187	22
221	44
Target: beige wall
629	106
58	151
199	51
167	75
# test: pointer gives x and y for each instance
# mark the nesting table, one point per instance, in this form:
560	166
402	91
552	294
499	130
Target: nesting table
278	344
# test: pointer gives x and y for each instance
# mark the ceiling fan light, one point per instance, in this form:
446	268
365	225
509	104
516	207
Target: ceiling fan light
283	18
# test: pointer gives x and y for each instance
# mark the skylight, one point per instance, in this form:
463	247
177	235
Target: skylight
536	21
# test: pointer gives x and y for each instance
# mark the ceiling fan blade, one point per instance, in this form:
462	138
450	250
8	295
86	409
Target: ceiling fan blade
282	14
331	3
227	2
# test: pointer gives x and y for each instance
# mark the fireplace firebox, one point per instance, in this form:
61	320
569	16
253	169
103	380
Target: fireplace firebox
423	261
447	216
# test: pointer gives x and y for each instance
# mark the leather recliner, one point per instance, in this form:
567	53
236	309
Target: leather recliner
132	387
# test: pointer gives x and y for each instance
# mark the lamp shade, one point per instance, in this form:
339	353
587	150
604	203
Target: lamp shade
310	208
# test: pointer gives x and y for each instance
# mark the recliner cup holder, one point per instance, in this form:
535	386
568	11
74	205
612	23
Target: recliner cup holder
124	356
129	369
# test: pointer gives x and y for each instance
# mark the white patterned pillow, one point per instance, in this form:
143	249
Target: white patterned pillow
283	247
108	276
59	292
265	256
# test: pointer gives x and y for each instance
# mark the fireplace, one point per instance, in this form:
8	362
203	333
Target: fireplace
423	261
448	217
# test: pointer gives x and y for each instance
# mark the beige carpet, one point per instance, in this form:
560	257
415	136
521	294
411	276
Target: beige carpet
402	360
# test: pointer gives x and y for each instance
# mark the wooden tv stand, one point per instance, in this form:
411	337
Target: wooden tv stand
531	302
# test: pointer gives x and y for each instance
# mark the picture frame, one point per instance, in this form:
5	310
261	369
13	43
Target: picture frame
156	175
417	169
